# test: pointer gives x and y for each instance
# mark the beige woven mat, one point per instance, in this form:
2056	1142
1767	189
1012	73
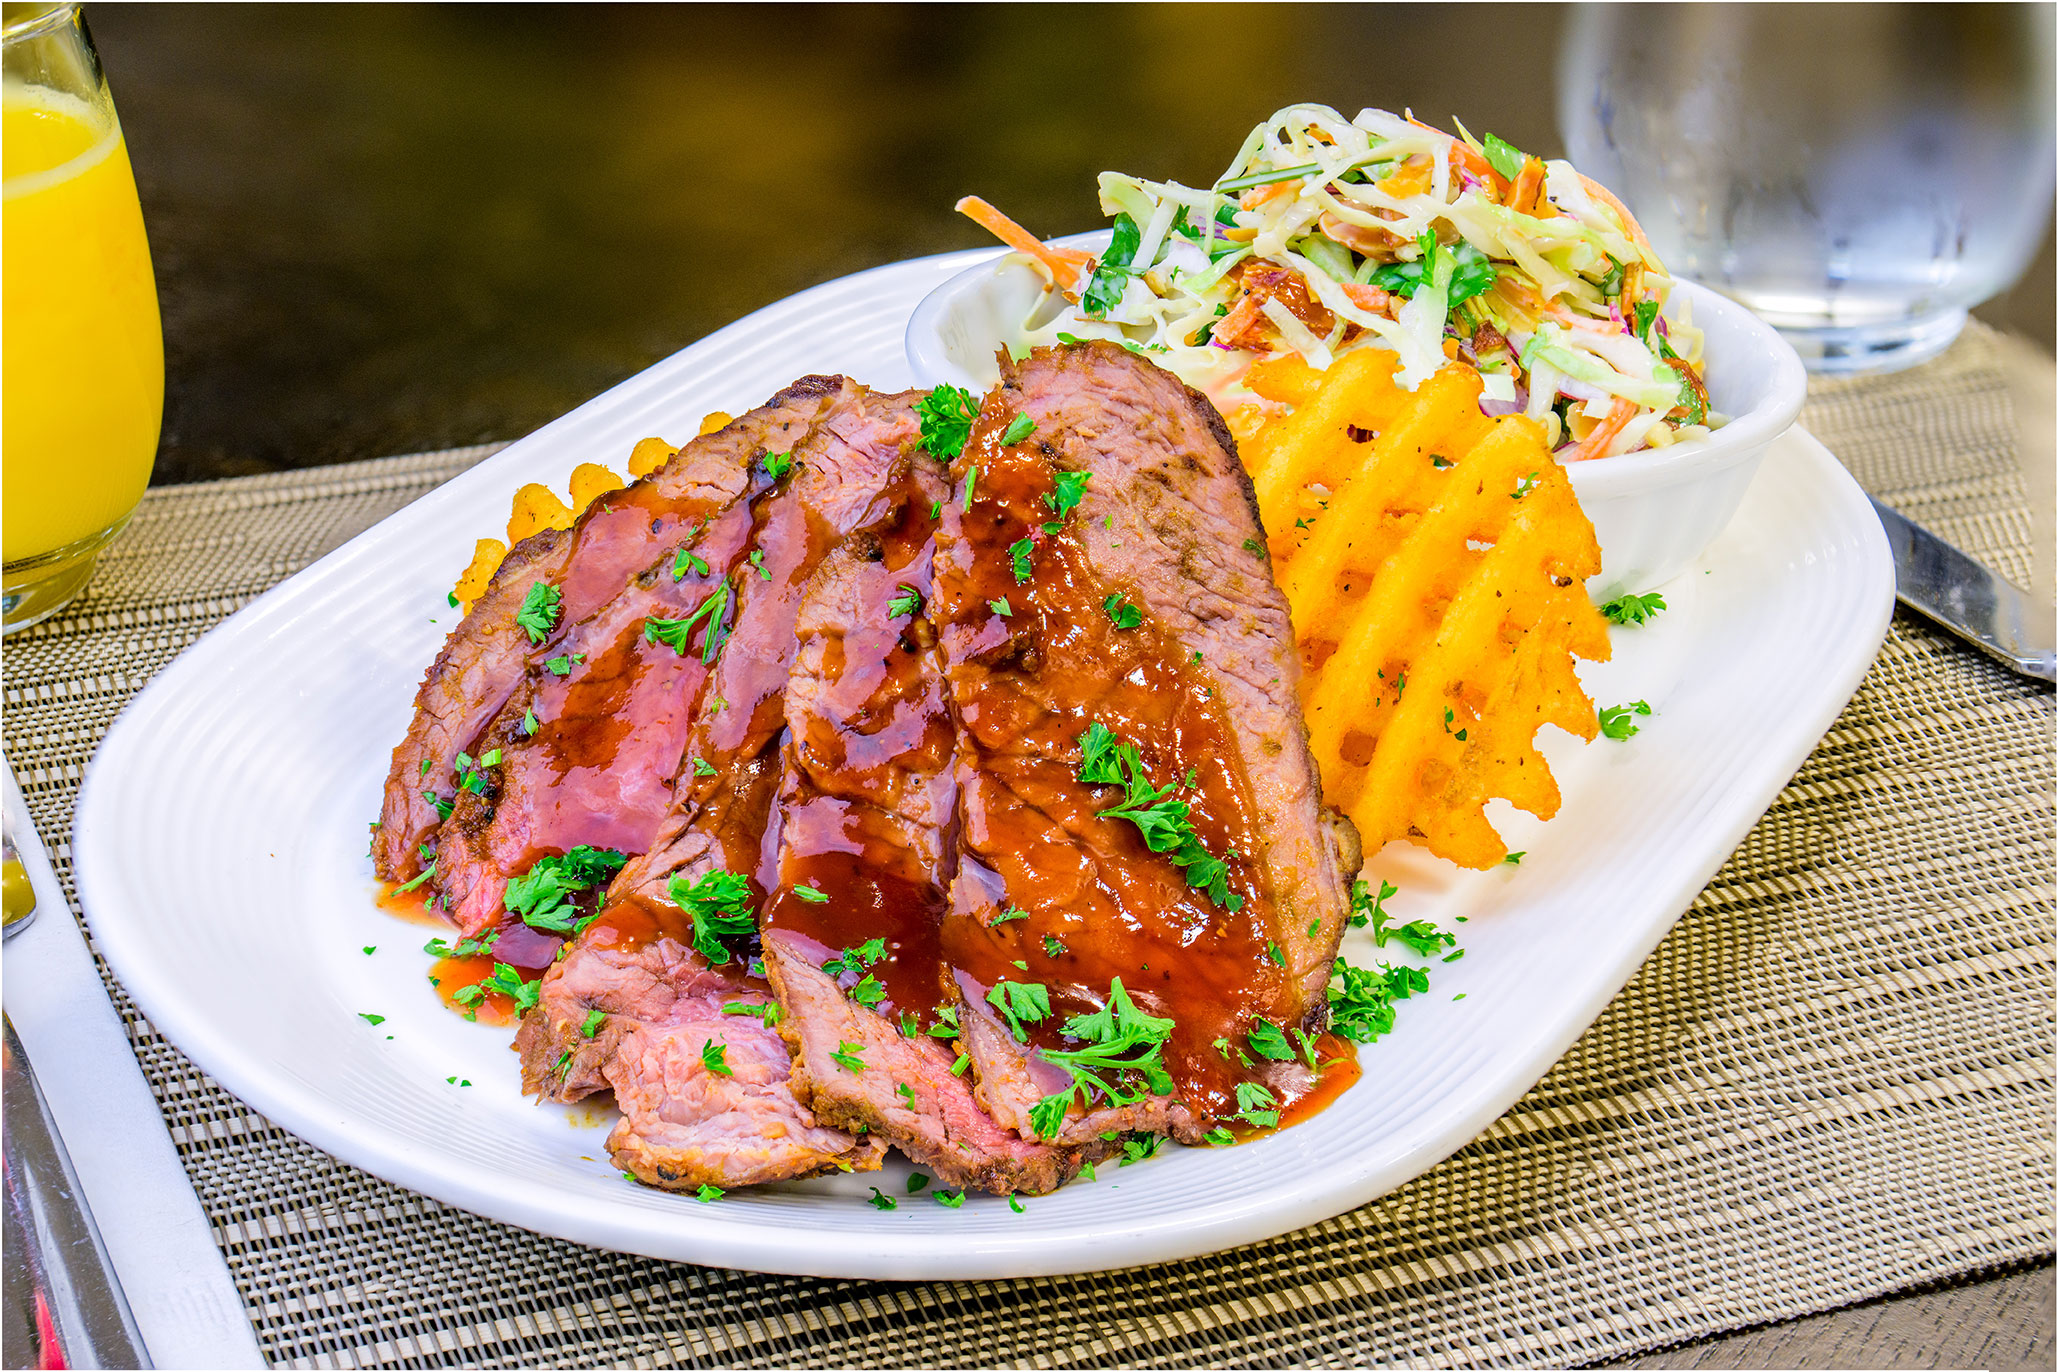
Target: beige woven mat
1831	1081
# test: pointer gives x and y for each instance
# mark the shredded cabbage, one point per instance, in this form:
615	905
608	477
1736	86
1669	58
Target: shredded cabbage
1327	234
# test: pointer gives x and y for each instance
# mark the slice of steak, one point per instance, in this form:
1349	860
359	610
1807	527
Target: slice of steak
484	660
866	847
1148	611
588	751
646	1013
842	484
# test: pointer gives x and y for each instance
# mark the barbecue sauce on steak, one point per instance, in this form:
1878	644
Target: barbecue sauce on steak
882	879
1026	685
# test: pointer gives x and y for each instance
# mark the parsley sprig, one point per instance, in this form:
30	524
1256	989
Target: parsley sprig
1119	1043
947	414
718	903
1618	721
1634	609
541	896
674	633
1165	824
1020	1002
539	610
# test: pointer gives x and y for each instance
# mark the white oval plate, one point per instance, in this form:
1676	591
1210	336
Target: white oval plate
220	854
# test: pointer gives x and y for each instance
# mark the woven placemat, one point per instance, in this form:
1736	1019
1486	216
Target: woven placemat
1832	1080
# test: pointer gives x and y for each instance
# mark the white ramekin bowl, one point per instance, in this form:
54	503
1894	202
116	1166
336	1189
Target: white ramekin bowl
1654	512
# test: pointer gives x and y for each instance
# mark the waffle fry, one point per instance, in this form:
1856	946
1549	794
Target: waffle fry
1434	559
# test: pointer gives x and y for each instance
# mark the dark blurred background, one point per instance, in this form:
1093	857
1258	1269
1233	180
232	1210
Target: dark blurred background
381	229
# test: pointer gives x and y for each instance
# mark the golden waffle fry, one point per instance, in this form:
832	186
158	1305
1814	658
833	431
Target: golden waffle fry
1435	562
650	454
485	560
536	508
590	481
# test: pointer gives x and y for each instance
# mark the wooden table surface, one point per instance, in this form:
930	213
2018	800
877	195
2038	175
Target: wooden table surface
381	229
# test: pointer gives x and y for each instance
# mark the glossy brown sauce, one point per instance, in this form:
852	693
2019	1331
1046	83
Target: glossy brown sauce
631	694
876	731
1099	904
1337	1073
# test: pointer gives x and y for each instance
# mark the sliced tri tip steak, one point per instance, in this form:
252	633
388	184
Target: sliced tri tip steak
866	830
1148	893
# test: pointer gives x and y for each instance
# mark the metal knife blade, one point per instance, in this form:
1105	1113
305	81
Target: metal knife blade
1943	583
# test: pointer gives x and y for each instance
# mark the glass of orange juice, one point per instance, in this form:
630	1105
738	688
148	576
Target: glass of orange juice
82	353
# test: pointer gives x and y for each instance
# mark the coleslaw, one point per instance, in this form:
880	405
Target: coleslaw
1326	234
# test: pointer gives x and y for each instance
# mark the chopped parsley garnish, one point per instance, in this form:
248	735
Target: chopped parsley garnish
881	1201
370	948
849	1056
767	1012
1634	609
528	723
1140	1148
855	960
947	414
594	1019
702	767
1526	484
442	806
910	1024
1251	545
719	904
1269	1041
1365	908
1618	721
1124	614
1019	1001
1256	1103
466	947
1165	824
777	465
505	980
541	896
1070	490
1361	1009
1011	912
1271	950
562	664
1220	1137
429	870
1000	607
371	1019
1514	859
906	1093
813	895
867	992
1119	1043
1014	1204
915	1181
907	602
714	1056
1052	945
945	1026
951	1200
687	561
1020	553
674	633
707	1195
971	481
1018	428
539	610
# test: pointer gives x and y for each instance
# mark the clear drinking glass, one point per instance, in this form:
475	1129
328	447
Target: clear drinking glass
82	376
1859	175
